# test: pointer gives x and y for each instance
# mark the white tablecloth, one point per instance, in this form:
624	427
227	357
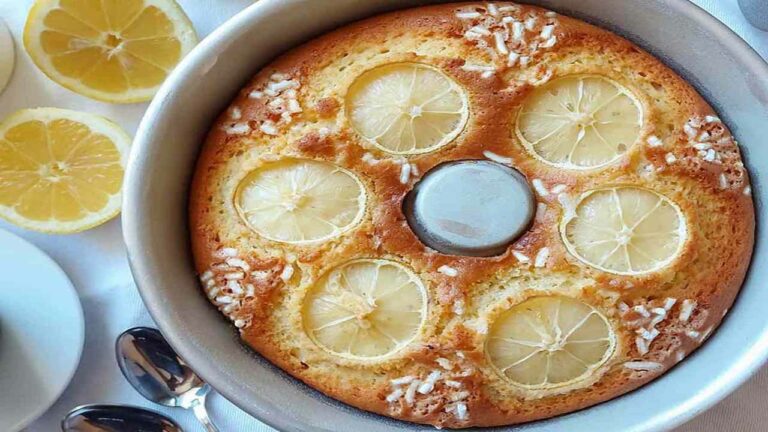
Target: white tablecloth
96	260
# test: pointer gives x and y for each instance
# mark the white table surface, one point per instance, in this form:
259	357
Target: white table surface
96	260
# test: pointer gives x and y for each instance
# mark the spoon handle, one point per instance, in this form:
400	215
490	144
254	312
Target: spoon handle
202	414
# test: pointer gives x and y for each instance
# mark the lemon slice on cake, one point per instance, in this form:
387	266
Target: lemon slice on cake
407	108
625	230
365	309
300	201
111	50
60	171
580	121
549	342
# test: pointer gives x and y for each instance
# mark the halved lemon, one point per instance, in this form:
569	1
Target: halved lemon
60	171
111	50
300	201
549	342
407	108
365	309
580	121
625	230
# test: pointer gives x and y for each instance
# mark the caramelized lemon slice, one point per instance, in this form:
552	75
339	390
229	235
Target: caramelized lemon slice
549	342
110	50
300	201
579	121
625	230
365	309
60	170
407	108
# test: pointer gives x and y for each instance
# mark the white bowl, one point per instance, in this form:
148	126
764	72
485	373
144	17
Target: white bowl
42	332
731	76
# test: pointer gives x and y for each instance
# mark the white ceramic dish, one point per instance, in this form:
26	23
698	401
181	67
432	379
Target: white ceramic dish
41	332
7	55
724	69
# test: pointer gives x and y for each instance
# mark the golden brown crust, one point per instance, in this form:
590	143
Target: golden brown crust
714	197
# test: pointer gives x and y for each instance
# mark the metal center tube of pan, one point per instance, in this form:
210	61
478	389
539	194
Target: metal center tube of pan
470	208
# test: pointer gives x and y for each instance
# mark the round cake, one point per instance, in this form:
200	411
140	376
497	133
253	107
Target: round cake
630	239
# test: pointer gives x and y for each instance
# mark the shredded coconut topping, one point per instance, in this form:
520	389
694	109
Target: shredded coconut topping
541	257
395	395
686	310
713	144
429	384
402	380
417	391
405	173
654	141
237	129
520	257
497	158
287	272
458	307
486	71
448	271
228	286
370	159
642	345
558	189
461	411
279	95
643	365
539	187
444	363
410	393
512	38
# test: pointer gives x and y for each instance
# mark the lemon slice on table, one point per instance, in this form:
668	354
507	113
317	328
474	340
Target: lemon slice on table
60	171
111	50
365	309
625	230
580	121
549	342
407	108
300	201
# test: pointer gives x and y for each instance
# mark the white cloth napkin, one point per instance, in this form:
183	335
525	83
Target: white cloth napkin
97	264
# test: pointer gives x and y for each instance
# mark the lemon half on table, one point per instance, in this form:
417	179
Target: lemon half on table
117	51
61	171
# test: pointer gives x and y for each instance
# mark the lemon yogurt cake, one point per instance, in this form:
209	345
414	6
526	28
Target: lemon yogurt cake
640	234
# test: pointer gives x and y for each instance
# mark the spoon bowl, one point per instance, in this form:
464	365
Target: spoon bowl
154	369
116	418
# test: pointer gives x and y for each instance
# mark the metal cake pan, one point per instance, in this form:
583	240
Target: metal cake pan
730	75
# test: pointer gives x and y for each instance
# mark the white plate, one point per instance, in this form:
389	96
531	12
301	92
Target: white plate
7	55
41	332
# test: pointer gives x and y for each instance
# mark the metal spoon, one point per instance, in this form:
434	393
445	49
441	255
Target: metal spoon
155	370
116	418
